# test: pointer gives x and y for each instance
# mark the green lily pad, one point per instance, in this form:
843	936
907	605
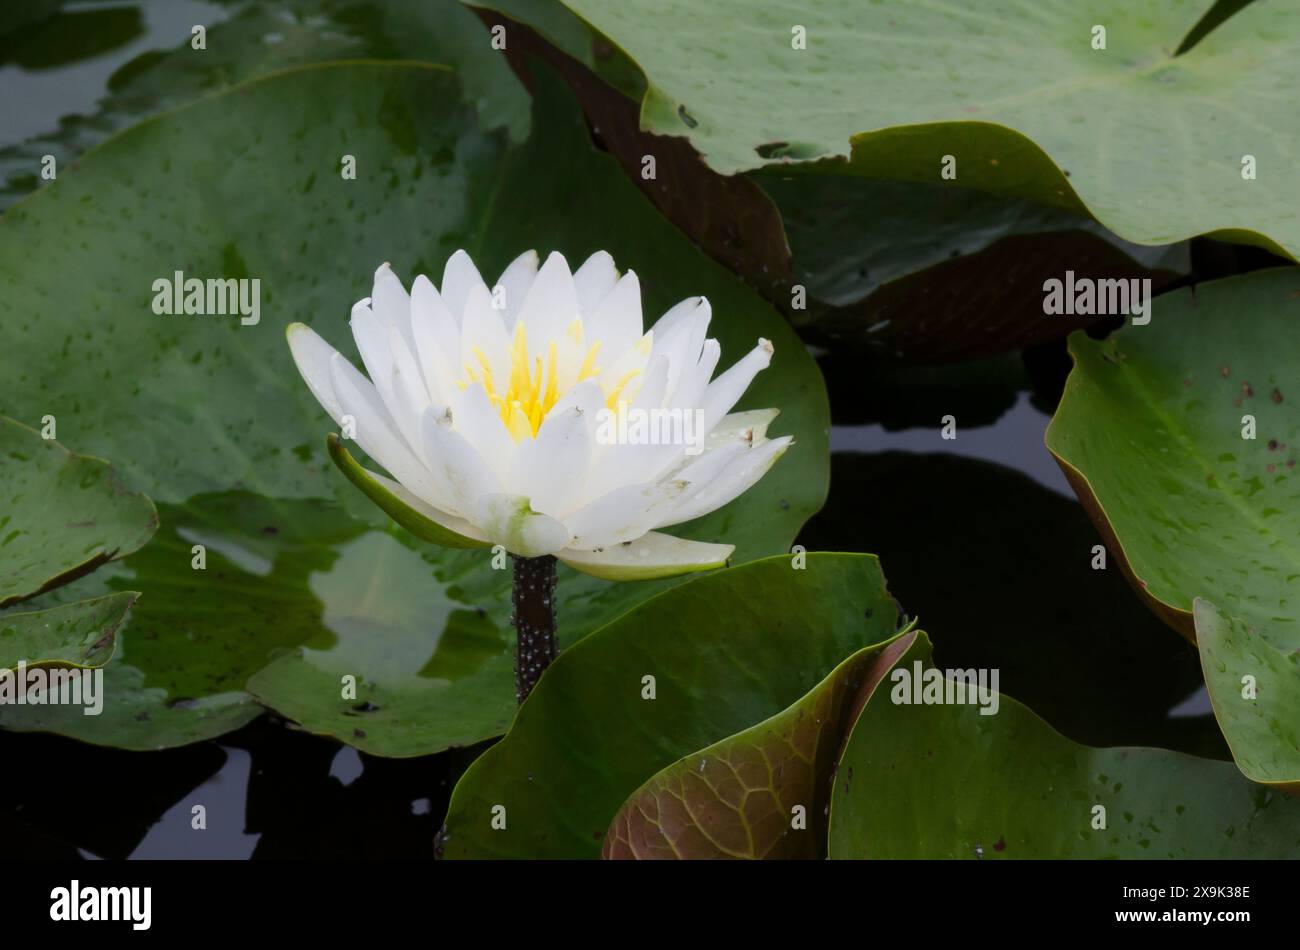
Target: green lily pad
763	793
1022	99
231	443
77	634
717	654
894	267
1255	690
228	589
946	781
257	39
64	514
1150	432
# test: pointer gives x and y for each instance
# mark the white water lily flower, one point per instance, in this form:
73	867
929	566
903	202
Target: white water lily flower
495	414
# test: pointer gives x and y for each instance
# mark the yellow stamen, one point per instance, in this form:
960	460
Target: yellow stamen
533	387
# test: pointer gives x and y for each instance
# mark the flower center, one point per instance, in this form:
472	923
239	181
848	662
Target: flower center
534	385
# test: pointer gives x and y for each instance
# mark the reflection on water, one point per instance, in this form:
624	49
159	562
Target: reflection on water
391	621
209	822
87	45
1017	434
267	792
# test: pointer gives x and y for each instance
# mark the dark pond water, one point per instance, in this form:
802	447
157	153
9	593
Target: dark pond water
980	536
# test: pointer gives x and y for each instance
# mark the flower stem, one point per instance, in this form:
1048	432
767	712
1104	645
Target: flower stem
534	619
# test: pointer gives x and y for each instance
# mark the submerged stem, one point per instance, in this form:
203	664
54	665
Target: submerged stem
534	619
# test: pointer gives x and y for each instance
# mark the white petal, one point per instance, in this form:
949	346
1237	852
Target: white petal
678	312
682	341
442	518
588	396
650	556
750	426
616	320
474	417
455	463
515	282
407	377
392	304
594	280
377	434
551	469
371	337
483	331
725	391
378	342
623	514
510	521
699	470
731	482
459	278
620	464
628	369
407	402
550	306
312	355
437	340
654	384
694	382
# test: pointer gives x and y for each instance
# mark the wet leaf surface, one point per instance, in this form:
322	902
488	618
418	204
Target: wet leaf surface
76	634
946	781
765	793
1039	113
726	651
63	514
1181	439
